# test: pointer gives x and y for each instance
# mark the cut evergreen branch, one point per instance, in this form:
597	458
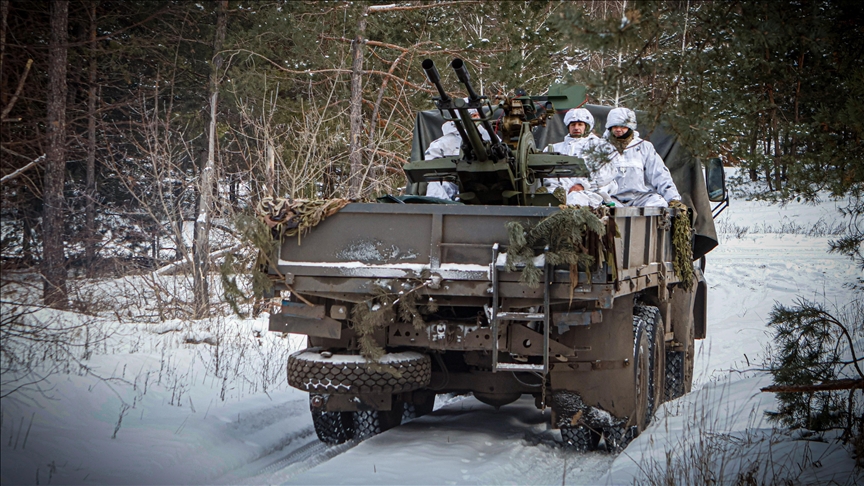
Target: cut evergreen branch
382	310
808	368
573	236
682	240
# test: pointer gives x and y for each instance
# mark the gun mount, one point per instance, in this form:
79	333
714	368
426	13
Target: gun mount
505	169
518	110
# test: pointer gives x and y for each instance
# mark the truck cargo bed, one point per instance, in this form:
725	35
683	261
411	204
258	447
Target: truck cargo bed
345	254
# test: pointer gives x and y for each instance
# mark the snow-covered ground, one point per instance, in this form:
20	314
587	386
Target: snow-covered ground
184	402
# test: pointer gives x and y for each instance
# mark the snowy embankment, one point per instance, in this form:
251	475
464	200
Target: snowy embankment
769	254
185	402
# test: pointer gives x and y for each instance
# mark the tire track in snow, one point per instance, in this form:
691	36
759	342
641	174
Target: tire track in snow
301	460
304	452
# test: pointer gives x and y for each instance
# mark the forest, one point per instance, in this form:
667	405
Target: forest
138	138
134	134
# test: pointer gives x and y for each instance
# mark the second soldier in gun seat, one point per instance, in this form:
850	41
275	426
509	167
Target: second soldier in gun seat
598	155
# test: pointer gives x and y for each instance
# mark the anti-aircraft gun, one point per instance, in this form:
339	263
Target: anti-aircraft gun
592	311
503	170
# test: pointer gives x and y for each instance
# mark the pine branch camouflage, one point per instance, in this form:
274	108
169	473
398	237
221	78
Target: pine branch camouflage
573	236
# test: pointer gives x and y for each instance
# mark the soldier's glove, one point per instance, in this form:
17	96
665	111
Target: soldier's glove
678	205
560	194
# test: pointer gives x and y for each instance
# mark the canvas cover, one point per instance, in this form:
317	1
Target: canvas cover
686	170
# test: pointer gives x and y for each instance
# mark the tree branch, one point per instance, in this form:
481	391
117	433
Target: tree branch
20	171
14	99
829	385
393	8
171	267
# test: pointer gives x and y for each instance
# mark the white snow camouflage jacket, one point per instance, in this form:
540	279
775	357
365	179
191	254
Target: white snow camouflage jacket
642	171
446	145
599	156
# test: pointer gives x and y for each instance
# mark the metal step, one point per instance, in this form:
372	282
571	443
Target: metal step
538	368
520	316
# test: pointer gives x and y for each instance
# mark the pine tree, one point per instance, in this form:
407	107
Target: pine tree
818	386
777	90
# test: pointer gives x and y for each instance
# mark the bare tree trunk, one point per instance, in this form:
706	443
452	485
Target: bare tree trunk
768	178
4	12
778	151
90	209
754	176
53	257
201	253
270	159
355	150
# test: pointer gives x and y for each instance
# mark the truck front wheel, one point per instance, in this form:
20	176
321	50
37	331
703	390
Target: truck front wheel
679	365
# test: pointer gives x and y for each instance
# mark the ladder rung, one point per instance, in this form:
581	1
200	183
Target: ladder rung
520	367
520	316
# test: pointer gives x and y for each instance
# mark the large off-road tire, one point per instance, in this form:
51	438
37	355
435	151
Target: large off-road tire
420	403
580	438
618	437
674	374
333	427
679	367
339	427
619	434
343	373
371	422
642	351
650	318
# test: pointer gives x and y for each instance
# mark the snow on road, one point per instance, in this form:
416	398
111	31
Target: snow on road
467	442
160	415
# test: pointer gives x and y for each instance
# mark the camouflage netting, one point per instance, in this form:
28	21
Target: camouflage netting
289	217
682	240
576	236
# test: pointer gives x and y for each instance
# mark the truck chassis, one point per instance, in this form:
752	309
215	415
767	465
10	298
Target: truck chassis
602	348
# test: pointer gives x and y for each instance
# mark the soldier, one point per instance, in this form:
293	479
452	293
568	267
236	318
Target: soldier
598	155
643	179
448	145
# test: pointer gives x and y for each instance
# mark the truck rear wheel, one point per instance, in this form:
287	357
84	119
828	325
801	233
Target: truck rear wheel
650	317
338	427
333	427
619	434
351	374
580	438
642	351
372	422
420	403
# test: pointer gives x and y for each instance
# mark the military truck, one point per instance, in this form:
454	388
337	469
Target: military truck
411	296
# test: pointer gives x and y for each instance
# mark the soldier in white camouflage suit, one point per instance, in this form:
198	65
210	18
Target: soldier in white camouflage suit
643	178
448	145
598	155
